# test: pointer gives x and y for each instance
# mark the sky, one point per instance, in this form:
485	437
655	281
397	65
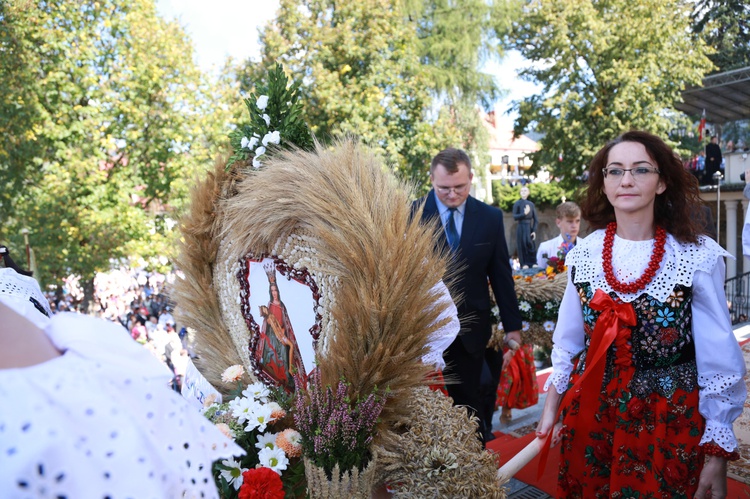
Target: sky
222	28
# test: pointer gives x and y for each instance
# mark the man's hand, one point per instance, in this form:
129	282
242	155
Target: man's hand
513	335
526	210
533	236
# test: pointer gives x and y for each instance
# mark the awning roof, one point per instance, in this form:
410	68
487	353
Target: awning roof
724	96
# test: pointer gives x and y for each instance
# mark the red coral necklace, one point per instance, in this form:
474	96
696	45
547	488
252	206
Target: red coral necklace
660	238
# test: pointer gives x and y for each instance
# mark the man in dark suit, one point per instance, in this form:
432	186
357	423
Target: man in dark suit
713	160
474	232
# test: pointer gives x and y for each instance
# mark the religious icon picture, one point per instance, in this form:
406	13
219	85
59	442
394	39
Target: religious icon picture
279	305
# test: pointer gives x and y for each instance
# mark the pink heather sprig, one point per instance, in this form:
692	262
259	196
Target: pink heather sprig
334	429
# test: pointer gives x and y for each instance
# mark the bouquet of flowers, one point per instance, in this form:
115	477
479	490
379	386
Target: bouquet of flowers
556	264
258	420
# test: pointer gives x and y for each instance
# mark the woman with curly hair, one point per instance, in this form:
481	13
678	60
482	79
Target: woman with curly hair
647	375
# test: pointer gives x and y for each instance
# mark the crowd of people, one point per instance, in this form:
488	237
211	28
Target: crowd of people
139	301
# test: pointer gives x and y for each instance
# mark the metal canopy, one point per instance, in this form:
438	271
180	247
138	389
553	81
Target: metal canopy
724	96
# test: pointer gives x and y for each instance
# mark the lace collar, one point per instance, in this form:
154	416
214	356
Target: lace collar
630	259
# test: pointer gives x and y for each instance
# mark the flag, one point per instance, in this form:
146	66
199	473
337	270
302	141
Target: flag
702	125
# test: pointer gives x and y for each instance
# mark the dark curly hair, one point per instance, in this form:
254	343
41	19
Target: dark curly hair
677	209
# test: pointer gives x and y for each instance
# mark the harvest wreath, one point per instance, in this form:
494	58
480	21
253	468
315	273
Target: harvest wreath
293	256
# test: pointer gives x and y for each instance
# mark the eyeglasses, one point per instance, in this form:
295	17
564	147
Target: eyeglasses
458	189
639	173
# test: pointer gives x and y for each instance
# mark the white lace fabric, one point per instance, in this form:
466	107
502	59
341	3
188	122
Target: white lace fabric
20	286
719	360
442	338
100	421
631	258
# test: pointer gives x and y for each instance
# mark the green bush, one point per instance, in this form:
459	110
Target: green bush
544	196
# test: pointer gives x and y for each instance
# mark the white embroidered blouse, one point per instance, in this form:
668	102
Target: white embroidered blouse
719	360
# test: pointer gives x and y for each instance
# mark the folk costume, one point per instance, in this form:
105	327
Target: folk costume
99	420
653	371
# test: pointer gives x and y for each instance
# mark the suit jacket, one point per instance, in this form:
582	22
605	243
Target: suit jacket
482	254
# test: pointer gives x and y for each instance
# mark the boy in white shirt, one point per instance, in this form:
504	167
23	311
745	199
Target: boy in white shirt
568	220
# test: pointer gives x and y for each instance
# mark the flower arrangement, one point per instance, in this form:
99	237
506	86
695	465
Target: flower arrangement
258	420
556	264
275	120
336	431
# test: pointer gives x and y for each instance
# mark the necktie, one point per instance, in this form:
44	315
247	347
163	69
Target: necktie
450	230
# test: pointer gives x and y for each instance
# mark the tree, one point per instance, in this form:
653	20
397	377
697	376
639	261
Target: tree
373	69
725	26
106	117
605	67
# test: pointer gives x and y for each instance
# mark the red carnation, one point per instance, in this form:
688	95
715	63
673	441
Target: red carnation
261	483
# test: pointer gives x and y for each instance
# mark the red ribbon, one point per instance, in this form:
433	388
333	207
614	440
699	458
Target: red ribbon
613	322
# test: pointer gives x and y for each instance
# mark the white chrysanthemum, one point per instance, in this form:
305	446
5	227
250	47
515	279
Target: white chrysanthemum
249	143
260	151
259	418
549	326
267	440
257	391
267	119
262	102
274	459
232	373
525	325
256	163
549	305
524	306
233	475
272	138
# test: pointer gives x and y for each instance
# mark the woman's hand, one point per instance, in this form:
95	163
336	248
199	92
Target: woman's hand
713	481
548	422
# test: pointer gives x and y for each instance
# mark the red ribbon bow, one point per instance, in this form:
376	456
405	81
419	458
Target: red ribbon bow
613	323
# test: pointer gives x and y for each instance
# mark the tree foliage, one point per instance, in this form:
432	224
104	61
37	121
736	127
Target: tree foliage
402	76
104	114
605	67
725	26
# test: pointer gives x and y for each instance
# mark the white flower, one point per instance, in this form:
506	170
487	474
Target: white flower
233	475
259	418
262	102
549	326
260	151
257	163
524	306
249	143
266	440
274	459
272	138
244	409
525	325
232	373
267	119
256	391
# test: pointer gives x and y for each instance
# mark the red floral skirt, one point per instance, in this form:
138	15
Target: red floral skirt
629	447
518	388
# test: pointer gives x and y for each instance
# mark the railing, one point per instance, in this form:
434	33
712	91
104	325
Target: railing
738	297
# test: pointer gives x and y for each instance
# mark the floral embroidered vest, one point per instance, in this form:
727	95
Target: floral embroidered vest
663	351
